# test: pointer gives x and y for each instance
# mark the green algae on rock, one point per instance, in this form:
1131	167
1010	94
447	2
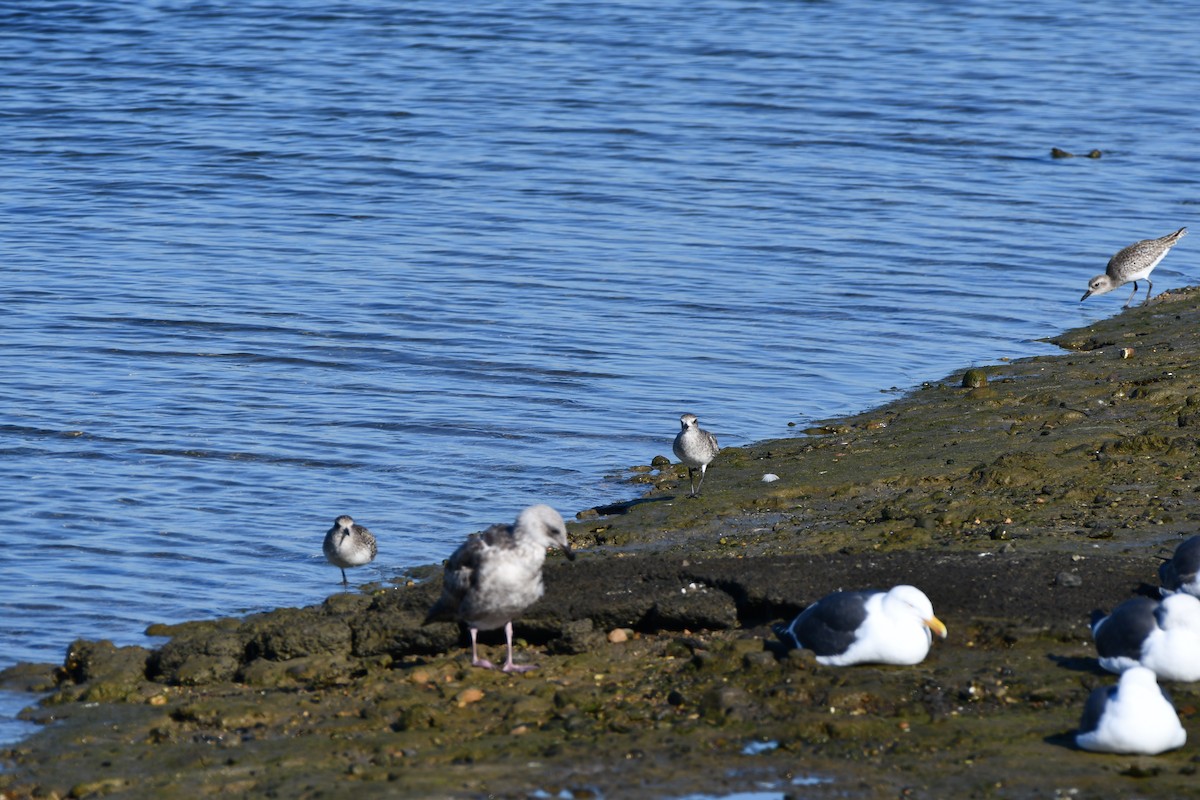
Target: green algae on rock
1018	512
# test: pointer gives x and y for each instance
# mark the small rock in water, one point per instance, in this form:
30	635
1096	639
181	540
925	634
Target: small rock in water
974	379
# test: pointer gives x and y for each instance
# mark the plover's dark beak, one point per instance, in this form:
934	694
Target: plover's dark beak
567	551
1086	295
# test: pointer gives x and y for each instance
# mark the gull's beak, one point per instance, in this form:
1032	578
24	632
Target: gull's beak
937	626
567	551
1086	295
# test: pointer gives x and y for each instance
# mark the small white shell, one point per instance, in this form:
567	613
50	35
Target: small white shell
770	477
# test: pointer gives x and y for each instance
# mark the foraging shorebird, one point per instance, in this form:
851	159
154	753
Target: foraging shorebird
696	448
1135	716
349	545
497	574
867	627
1134	263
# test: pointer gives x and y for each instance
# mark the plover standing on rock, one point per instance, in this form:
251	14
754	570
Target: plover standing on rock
497	574
696	448
1134	263
349	545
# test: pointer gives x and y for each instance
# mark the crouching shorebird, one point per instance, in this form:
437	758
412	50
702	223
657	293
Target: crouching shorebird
497	574
349	545
1133	717
696	448
867	627
1134	263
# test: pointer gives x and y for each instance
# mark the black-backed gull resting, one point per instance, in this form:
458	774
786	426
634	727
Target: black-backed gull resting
348	545
1181	573
695	448
1134	717
1163	636
892	627
495	575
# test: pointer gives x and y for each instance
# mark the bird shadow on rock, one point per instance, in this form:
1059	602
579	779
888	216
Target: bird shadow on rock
1078	664
614	509
1065	740
1147	590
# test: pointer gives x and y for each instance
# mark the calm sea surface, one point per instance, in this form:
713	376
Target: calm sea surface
267	262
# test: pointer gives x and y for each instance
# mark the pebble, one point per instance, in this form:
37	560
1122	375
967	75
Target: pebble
1068	579
468	696
618	635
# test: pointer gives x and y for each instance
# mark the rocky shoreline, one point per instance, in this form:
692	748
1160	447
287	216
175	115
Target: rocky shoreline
1019	497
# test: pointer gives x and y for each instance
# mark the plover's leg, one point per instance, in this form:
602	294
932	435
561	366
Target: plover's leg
703	472
1149	289
509	666
344	581
1130	300
692	481
476	661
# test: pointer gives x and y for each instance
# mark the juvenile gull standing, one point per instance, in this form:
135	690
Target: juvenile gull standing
1134	717
1181	573
1133	263
349	545
495	575
696	448
844	628
1161	636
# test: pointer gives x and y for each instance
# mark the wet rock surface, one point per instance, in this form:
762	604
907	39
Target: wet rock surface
1019	506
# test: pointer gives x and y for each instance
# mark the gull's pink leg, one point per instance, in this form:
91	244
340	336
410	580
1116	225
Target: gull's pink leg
509	666
476	661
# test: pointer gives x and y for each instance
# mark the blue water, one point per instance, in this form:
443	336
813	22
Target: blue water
269	262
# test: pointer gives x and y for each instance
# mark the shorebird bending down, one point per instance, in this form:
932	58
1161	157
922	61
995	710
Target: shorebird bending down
495	575
695	447
867	627
1134	263
348	545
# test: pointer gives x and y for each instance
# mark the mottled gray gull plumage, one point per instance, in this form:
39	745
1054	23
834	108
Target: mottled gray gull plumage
497	574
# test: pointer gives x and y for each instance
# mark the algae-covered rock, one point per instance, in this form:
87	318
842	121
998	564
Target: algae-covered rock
974	379
102	672
201	654
295	633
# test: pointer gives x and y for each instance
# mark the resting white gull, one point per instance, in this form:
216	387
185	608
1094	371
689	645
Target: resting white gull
892	627
1163	636
1134	717
1181	573
497	574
